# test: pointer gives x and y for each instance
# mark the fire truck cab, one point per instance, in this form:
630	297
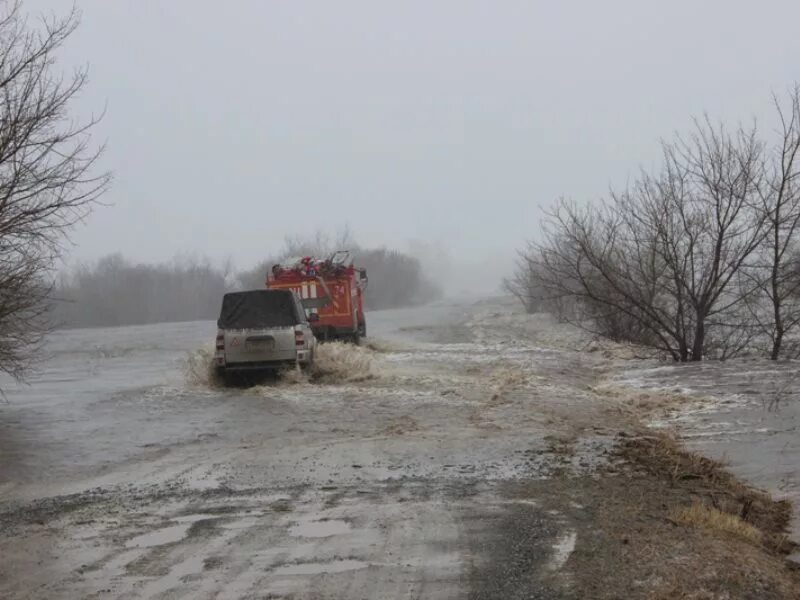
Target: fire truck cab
331	291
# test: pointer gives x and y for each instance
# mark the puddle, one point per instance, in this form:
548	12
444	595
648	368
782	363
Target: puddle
172	533
319	529
159	537
319	568
175	578
526	502
439	563
204	482
242	522
118	563
200	517
562	549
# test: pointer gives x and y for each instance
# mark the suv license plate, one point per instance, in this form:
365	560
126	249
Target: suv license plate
259	345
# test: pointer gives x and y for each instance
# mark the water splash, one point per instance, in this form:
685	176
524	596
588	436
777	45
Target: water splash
199	369
337	362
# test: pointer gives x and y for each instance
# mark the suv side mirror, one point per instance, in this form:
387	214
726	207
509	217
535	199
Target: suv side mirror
313	317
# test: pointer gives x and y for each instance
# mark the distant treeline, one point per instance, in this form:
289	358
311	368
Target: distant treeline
116	291
395	279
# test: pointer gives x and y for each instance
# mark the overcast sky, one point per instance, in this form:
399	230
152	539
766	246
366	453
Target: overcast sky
231	124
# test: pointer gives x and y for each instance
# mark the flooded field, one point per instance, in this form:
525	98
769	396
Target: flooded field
745	413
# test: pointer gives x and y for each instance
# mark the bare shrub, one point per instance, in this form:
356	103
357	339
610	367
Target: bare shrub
699	259
657	263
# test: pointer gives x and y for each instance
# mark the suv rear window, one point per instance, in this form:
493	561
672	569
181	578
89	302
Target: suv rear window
258	309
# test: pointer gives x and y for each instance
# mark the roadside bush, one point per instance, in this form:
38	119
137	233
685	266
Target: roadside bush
697	259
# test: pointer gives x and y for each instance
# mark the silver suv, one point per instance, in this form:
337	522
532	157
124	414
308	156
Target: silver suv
262	331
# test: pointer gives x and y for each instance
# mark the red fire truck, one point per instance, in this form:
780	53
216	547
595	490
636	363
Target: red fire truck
332	292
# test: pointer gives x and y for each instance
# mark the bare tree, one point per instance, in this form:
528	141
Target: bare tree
47	183
524	283
593	257
656	264
777	275
709	229
320	244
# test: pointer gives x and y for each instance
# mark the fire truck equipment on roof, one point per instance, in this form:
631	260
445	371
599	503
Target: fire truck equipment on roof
331	290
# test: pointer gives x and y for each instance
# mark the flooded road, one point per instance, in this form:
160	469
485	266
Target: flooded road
109	396
461	453
127	474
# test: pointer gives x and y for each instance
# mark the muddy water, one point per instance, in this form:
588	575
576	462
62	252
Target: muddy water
386	476
429	464
747	414
105	396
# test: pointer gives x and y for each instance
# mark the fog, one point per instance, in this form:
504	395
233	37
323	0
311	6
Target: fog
421	125
116	291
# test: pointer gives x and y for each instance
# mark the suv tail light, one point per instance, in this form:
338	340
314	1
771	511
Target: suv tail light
220	341
299	337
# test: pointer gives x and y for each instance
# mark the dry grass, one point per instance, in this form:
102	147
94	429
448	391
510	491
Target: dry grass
661	455
618	350
629	546
504	379
643	403
701	477
713	519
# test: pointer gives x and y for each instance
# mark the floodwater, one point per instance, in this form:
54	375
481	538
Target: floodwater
127	474
319	528
747	414
101	396
428	463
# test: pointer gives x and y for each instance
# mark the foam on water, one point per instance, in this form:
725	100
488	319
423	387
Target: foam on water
337	362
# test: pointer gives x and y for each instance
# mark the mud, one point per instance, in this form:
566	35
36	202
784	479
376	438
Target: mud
450	457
